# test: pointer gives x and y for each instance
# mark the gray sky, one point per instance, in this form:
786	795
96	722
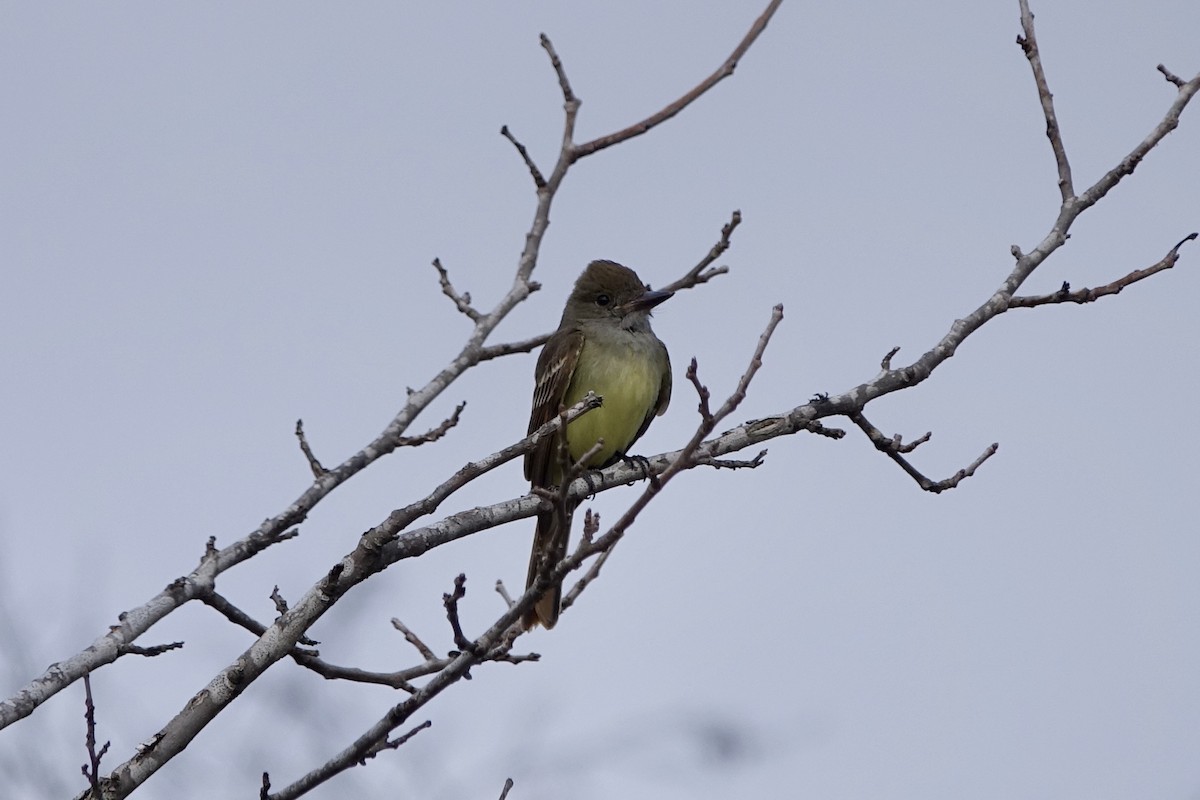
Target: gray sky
219	218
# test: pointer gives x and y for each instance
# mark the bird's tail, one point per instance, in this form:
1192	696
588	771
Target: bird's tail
549	547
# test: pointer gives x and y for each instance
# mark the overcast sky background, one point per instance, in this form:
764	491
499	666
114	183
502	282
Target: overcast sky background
219	218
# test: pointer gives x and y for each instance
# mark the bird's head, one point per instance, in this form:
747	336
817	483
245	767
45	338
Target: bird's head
608	290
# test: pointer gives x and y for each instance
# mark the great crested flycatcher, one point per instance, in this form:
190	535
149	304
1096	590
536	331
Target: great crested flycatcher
604	345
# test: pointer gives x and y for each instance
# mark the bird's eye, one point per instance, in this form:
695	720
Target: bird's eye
603	300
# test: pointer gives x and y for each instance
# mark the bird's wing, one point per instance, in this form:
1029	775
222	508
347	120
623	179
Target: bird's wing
664	396
555	366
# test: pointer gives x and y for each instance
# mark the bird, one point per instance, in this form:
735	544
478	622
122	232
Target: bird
604	344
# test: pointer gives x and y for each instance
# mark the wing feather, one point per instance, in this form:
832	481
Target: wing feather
555	367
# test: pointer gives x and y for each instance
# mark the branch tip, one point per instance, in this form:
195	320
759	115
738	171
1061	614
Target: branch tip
669	111
702	273
1171	77
565	85
539	180
313	464
461	301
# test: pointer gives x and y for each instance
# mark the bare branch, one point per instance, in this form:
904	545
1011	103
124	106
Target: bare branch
91	770
700	273
392	744
435	433
556	62
566	155
1065	295
730	463
899	446
1171	76
310	781
396	680
525	346
461	301
503	592
281	606
450	601
591	526
739	394
966	472
701	391
150	652
1130	162
280	638
311	660
492	645
538	180
414	640
724	71
313	464
895	450
238	617
1028	42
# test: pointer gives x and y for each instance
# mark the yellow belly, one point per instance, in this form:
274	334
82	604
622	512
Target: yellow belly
629	382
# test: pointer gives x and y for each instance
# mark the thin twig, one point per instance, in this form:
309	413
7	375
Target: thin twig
313	464
701	390
238	617
701	273
1170	121
1028	43
965	472
894	449
434	433
450	601
392	744
311	660
281	604
461	301
91	770
591	526
414	640
1066	295
1171	76
508	348
150	652
732	463
724	71
538	179
502	590
401	679
556	62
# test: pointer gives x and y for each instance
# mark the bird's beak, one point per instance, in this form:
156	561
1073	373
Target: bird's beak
647	301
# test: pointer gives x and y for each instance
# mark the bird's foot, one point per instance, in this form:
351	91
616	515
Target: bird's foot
641	462
590	477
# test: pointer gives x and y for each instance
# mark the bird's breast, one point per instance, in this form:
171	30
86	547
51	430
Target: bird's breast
628	377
